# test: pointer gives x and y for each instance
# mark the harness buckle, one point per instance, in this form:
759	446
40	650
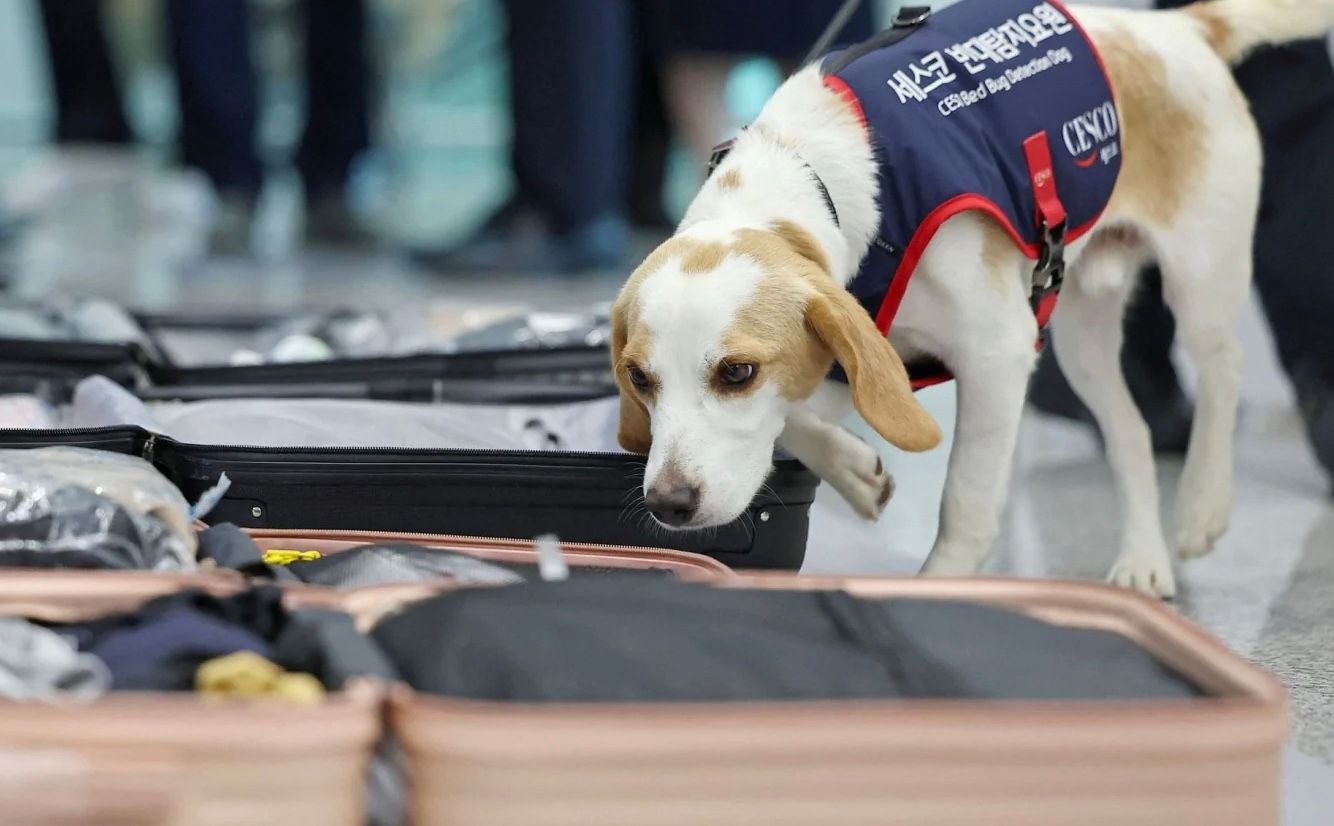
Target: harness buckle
910	16
1049	272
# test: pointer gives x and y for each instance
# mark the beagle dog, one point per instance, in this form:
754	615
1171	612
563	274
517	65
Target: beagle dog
723	340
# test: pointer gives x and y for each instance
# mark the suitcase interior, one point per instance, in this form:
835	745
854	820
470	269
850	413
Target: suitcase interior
174	757
1201	762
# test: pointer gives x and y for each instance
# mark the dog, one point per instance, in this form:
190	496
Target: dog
723	340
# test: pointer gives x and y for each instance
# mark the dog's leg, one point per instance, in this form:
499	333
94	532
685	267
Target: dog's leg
1088	336
838	457
991	387
1206	292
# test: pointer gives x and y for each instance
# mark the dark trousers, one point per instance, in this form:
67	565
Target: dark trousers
218	97
571	75
1291	90
87	96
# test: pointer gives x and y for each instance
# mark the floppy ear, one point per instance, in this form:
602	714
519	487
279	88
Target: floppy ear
881	391
634	433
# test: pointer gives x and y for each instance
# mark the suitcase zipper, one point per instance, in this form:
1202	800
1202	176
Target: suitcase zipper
464	539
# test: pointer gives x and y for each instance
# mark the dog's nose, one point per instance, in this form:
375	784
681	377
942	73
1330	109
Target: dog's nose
674	504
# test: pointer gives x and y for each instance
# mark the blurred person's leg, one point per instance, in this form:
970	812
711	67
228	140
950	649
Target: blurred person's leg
650	146
1291	90
215	81
338	88
571	71
87	95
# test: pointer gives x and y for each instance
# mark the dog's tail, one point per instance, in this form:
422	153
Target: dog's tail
1236	27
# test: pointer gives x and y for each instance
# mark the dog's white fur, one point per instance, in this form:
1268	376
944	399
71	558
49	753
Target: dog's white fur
977	322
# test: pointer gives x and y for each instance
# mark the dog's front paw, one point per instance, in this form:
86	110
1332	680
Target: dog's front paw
1148	573
858	474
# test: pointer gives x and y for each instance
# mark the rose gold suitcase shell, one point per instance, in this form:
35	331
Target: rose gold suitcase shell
1208	762
173	759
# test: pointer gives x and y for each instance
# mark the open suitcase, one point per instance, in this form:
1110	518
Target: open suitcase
174	759
160	359
580	497
1210	761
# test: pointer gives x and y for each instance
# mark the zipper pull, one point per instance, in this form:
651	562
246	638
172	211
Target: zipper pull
279	556
550	561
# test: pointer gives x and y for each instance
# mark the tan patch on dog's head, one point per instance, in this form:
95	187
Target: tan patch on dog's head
730	179
1164	141
770	330
800	320
796	324
695	257
1217	30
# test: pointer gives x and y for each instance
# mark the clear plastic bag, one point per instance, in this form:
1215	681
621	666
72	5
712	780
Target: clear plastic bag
71	507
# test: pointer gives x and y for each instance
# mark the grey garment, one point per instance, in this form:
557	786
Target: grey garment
386	785
24	412
100	402
623	639
394	563
70	507
588	426
583	426
39	664
326	643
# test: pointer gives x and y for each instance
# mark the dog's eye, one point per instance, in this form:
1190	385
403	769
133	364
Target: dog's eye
736	375
637	376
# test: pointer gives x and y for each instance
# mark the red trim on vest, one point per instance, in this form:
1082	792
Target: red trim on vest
843	90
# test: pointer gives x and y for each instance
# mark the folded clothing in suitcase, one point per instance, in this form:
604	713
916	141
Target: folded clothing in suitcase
796	701
157	755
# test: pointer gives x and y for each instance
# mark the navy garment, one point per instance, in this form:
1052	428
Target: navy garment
570	84
163	652
160	646
87	93
959	111
737	27
217	91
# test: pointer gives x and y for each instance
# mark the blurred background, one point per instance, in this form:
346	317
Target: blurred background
283	153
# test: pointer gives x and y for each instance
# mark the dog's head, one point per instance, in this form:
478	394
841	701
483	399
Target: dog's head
715	338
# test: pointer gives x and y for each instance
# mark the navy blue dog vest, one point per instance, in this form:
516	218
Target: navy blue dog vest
1000	106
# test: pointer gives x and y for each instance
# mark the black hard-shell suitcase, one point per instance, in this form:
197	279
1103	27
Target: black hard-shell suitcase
580	497
36	365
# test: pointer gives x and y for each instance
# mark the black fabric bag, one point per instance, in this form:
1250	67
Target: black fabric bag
613	639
